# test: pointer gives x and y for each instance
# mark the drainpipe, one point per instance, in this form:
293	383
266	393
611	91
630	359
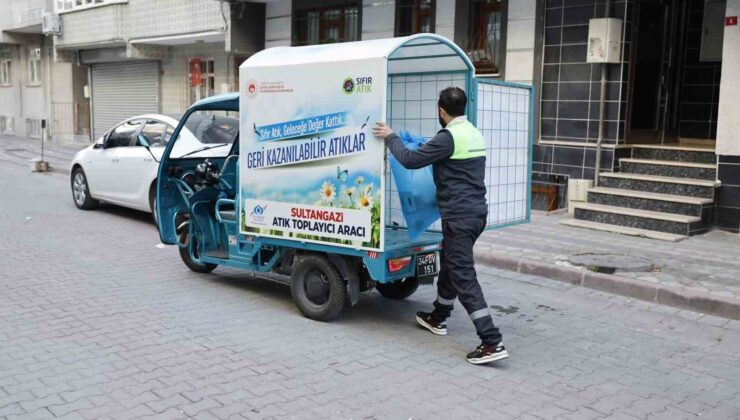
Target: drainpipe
602	99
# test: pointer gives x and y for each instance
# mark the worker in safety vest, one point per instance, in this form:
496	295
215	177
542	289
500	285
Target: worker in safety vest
458	158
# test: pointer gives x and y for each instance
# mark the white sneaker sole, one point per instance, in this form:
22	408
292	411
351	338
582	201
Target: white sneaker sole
488	359
432	329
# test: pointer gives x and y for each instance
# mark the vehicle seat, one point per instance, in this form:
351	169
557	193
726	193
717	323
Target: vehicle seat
229	174
228	215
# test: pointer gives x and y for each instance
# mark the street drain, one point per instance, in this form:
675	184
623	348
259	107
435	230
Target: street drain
611	263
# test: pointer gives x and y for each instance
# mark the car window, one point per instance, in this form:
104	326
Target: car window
153	131
168	133
206	134
123	135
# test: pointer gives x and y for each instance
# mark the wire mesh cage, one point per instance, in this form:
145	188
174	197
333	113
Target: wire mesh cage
501	111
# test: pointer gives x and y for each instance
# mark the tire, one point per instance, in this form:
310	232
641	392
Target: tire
194	265
153	204
317	288
81	191
400	289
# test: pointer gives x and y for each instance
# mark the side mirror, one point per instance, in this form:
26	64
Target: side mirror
100	143
142	141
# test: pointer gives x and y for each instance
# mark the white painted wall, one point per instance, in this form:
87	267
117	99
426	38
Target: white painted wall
728	122
278	23
520	32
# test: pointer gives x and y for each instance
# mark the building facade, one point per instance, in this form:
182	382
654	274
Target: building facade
668	108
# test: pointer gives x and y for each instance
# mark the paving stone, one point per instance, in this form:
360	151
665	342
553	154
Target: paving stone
117	328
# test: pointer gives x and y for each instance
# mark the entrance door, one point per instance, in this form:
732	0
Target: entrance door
650	73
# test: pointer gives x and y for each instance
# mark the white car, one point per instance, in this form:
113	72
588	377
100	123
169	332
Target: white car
121	166
118	168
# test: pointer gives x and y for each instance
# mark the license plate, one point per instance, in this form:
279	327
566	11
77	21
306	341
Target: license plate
426	265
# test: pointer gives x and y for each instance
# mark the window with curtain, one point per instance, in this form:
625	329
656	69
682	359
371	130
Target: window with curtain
484	40
414	16
5	79
326	24
34	66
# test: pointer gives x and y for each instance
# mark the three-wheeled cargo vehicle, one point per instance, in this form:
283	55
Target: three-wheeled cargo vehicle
285	175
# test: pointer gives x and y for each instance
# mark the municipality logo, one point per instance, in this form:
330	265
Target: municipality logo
252	88
258	214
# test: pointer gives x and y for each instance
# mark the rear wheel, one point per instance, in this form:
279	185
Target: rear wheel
400	289
81	191
193	263
317	288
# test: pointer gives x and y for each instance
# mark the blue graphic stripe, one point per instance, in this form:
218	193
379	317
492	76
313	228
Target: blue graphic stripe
302	127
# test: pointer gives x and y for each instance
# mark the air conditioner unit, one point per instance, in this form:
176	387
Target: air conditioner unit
51	24
35	52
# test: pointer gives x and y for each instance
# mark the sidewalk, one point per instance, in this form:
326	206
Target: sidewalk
20	150
701	273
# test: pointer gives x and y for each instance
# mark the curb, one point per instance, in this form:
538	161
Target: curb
694	301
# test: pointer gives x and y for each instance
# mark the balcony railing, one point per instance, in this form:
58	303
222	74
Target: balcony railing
30	16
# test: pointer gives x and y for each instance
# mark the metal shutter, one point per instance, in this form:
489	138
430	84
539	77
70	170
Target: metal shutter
122	90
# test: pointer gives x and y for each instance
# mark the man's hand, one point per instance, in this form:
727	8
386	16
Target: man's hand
382	130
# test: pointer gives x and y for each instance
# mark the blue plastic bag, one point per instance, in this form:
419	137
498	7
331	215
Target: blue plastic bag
416	190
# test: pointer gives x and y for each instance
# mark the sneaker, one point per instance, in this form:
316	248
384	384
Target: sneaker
486	353
425	320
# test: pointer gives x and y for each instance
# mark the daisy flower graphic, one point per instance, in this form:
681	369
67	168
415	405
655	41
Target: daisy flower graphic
328	192
365	201
360	180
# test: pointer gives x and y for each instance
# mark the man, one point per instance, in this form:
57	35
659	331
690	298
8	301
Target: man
458	158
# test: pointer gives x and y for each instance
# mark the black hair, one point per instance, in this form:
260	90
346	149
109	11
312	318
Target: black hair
453	100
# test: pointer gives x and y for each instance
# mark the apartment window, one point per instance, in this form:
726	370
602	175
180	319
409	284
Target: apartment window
484	42
34	66
5	79
414	16
67	5
325	22
6	125
33	128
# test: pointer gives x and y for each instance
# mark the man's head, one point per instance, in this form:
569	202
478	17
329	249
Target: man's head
452	103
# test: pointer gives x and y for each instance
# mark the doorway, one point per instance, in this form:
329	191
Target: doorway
650	72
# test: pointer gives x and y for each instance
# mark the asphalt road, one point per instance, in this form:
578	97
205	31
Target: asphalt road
98	320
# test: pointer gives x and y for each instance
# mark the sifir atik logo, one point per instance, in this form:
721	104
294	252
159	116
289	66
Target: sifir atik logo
357	85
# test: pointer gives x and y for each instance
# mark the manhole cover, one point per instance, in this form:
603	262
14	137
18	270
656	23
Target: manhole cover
610	263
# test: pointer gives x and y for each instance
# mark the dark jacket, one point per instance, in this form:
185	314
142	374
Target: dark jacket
461	189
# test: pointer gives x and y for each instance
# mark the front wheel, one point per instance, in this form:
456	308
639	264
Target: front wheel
185	255
399	289
81	191
317	288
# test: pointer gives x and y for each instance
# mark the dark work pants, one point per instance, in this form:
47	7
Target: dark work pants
457	278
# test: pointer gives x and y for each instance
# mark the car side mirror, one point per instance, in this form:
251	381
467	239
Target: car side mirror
142	141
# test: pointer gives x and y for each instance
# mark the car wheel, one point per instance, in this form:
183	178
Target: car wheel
153	205
317	288
81	191
400	289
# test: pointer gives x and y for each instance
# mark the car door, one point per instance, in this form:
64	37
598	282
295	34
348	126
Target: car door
134	164
115	174
142	164
104	170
